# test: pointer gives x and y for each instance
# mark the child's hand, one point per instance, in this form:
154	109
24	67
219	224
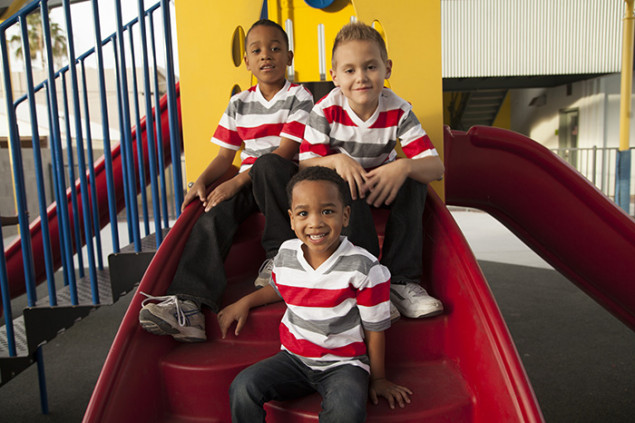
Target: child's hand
238	312
221	193
385	181
353	173
392	392
197	190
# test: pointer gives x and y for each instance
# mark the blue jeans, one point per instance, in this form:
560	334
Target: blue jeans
344	389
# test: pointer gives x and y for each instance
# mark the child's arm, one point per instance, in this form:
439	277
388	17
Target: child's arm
348	168
385	181
379	385
239	310
212	172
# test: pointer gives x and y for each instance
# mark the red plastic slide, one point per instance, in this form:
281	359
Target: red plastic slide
13	253
550	206
462	364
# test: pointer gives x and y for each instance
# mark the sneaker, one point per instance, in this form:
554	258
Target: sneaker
413	301
394	313
182	319
264	274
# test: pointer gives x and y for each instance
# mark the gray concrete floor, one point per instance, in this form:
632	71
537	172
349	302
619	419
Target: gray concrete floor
580	359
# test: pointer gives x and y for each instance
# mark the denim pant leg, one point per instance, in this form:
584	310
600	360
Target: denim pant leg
270	175
344	391
200	275
280	377
403	243
361	227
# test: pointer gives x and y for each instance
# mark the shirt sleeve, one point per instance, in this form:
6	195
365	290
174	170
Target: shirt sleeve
226	134
373	299
415	142
316	142
294	127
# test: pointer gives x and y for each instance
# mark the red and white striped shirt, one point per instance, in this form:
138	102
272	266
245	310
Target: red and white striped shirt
259	123
328	308
333	127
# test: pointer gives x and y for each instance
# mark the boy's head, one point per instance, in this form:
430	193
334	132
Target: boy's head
318	210
267	52
360	65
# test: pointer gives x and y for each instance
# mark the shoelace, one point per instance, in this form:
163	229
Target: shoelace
416	290
165	300
266	265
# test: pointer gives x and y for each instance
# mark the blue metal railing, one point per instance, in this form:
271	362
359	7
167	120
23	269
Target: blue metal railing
79	224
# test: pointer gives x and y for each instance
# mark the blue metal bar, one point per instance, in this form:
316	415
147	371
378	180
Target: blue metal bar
6	300
62	231
175	134
81	160
73	189
122	150
18	175
150	127
37	161
110	184
91	172
140	161
41	377
159	131
127	142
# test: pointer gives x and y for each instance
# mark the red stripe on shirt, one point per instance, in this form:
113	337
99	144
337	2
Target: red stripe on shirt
378	294
388	119
261	131
322	150
294	128
417	146
314	297
336	114
227	136
306	348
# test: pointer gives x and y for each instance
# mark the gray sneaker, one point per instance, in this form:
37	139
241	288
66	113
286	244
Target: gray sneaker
413	301
182	319
264	274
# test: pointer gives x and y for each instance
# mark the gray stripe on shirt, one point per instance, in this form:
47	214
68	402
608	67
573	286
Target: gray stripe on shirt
327	327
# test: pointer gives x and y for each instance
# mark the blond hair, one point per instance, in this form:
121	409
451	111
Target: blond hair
359	31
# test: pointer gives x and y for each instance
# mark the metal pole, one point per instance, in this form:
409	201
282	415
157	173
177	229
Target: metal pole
623	174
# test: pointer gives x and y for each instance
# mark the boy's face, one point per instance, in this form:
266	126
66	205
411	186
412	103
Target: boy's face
317	217
267	55
359	71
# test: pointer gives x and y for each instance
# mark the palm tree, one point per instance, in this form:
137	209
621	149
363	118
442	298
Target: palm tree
36	40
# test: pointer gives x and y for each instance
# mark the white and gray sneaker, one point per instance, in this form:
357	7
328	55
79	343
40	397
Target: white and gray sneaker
394	313
413	301
264	274
182	319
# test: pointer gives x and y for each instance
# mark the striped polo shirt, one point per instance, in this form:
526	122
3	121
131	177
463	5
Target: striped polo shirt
333	127
259	123
328	308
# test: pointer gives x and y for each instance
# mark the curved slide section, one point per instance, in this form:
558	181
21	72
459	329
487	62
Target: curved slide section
13	253
550	206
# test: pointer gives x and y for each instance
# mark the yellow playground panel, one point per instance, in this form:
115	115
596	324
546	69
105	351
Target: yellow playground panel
211	46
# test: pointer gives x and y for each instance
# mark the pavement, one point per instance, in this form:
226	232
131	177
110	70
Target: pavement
579	358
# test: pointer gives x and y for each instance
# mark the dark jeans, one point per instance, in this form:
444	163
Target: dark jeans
403	238
344	389
200	275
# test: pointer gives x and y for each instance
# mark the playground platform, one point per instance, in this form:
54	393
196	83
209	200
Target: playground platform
579	358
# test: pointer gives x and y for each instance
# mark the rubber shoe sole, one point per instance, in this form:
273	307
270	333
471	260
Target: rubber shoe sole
158	326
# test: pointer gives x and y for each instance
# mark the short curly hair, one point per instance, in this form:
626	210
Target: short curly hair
269	23
320	173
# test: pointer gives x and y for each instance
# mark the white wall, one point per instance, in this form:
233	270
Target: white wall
598	101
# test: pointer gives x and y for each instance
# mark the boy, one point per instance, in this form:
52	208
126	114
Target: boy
269	119
354	130
338	305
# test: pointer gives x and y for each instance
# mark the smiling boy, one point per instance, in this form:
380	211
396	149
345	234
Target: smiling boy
269	120
337	298
354	130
